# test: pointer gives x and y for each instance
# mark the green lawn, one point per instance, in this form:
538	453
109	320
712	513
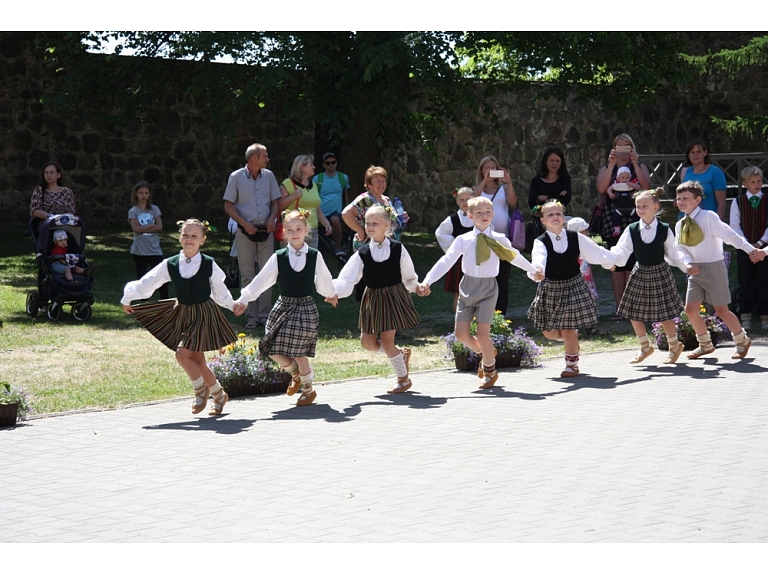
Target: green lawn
111	361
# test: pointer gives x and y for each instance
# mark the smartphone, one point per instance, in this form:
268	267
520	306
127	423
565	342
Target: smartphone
623	149
495	173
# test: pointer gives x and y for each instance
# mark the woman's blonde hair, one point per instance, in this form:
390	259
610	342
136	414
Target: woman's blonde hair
385	215
485	160
299	161
626	137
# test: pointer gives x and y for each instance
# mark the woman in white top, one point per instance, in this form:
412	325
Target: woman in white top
502	194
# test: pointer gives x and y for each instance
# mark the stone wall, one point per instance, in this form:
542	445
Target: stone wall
178	149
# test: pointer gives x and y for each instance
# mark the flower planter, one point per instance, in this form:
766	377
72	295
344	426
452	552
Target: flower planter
8	414
241	386
689	341
503	359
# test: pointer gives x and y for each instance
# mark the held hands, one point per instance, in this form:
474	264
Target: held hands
422	290
756	256
539	276
239	308
332	300
693	269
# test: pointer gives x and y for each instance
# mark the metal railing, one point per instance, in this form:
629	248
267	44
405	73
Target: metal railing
665	168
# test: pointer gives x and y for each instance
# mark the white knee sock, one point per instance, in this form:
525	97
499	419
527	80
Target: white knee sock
398	363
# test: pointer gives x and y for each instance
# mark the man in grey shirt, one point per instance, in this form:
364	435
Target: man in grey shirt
251	200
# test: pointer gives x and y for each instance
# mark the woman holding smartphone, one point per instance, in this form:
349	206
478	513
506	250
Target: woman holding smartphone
623	154
493	182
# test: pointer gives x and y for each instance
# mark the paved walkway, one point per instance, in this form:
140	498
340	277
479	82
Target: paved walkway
650	453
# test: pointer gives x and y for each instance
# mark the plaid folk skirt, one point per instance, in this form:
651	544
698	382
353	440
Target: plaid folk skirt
651	294
563	304
453	278
198	327
291	328
387	308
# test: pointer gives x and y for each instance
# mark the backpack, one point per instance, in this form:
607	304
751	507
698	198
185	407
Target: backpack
342	181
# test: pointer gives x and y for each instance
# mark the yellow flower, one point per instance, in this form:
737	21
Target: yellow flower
241	335
497	311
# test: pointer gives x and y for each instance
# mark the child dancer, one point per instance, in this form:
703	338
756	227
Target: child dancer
651	294
386	306
291	331
193	324
480	251
563	304
451	228
700	236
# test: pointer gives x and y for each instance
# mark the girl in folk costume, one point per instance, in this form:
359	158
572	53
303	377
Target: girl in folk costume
651	294
291	331
386	305
563	304
191	324
448	230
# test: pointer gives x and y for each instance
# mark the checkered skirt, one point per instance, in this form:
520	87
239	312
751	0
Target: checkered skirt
387	308
651	294
291	328
563	304
198	327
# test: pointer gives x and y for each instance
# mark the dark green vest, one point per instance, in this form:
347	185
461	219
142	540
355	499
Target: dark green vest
653	253
293	283
196	289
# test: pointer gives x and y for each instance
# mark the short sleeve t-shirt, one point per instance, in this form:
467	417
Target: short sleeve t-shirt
712	179
147	244
331	193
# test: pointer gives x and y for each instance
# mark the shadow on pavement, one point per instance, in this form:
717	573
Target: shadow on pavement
216	424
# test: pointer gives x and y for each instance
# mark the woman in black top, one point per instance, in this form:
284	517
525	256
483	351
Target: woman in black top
552	182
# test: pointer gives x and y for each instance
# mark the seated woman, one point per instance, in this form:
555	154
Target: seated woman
50	198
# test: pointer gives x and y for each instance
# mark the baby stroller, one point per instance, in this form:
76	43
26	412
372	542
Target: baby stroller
53	291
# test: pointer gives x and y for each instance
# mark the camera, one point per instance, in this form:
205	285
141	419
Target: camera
623	149
495	173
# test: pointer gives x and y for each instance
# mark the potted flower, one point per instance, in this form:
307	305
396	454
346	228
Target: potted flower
14	404
715	326
242	371
514	347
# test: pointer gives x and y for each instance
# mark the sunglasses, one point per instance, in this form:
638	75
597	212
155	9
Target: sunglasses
330	163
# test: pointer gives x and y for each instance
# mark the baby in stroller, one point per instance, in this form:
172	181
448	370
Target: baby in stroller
67	264
59	245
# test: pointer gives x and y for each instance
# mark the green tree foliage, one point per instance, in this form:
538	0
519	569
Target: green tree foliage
404	86
744	60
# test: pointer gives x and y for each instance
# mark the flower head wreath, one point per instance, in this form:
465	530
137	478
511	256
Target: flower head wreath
203	223
303	213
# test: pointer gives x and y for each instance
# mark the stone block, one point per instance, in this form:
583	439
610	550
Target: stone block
86	181
21	140
107	161
91	142
115	145
25	182
68	160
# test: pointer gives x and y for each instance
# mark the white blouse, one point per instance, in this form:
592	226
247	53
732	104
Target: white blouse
352	271
589	251
267	277
444	232
624	247
159	275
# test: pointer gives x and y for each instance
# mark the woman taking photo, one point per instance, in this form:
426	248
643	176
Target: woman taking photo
299	191
50	198
698	168
623	154
552	181
493	182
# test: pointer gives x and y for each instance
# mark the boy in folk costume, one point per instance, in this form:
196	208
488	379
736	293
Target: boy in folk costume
749	218
699	238
480	251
